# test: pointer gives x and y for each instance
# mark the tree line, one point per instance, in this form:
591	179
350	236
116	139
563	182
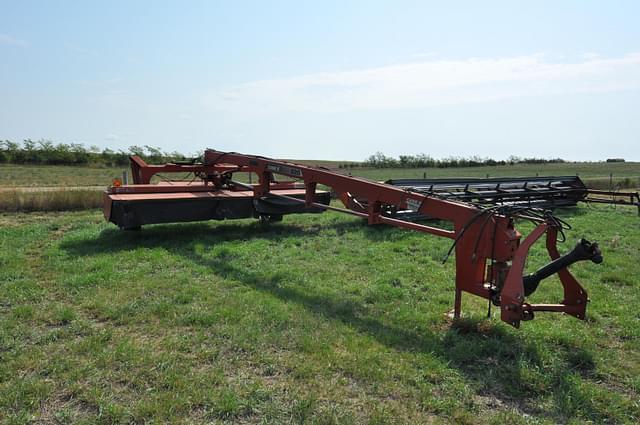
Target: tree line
380	160
45	152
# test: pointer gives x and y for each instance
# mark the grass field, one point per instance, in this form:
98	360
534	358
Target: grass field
55	175
317	319
14	200
583	169
12	175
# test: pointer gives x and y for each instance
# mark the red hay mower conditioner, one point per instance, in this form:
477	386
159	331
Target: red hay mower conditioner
490	253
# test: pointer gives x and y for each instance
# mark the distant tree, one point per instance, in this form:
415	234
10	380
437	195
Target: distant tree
47	152
136	150
154	154
379	160
513	160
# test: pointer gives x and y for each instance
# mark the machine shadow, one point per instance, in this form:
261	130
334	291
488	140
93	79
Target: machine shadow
494	358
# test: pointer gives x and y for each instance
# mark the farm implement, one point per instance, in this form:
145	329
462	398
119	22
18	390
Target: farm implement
490	254
210	195
542	192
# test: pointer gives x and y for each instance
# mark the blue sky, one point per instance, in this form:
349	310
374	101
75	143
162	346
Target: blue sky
326	80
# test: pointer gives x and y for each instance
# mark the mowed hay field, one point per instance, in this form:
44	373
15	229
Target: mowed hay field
318	319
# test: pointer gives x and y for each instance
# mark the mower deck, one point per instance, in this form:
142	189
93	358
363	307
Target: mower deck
130	207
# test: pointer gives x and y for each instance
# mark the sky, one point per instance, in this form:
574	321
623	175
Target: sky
326	79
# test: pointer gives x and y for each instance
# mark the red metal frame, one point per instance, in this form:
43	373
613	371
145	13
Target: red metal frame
489	254
486	243
142	172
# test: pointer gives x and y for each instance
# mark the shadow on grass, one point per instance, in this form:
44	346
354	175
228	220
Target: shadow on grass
498	361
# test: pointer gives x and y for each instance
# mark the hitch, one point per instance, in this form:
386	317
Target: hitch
516	287
584	250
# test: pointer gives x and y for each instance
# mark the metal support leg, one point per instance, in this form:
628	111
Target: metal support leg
457	304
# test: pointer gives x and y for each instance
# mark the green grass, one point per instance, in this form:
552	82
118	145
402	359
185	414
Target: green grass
583	169
318	319
598	172
57	175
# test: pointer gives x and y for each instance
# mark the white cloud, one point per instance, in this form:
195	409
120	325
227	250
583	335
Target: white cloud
112	138
7	40
431	83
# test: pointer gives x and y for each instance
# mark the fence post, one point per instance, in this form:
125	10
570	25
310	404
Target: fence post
125	177
610	181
